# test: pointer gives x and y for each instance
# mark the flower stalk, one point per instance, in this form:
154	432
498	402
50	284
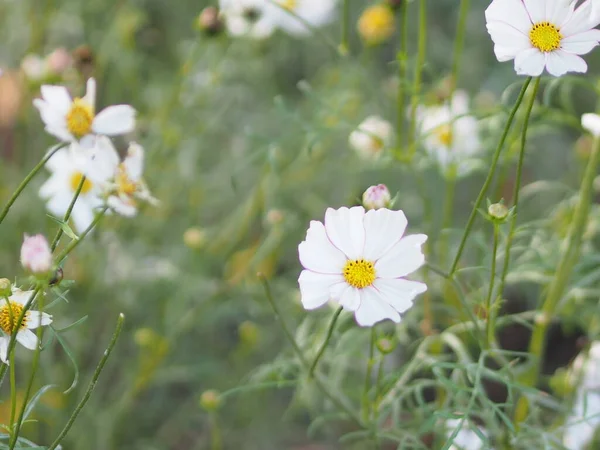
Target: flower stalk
334	320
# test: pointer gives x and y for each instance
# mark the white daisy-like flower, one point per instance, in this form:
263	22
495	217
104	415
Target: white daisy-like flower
450	135
466	438
591	123
68	166
121	183
360	260
10	311
297	17
543	34
75	119
248	18
372	137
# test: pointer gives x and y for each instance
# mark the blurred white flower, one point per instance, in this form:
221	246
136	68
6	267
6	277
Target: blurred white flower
68	166
543	34
248	18
466	438
450	136
10	311
36	256
376	197
591	123
297	17
359	260
34	67
585	417
371	137
59	60
72	120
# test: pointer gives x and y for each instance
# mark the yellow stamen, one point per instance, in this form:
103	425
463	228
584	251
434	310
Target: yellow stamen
80	118
125	185
76	179
9	317
545	37
376	24
445	135
290	5
359	273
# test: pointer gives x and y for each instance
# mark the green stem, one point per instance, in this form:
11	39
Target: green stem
366	402
422	47
345	42
26	181
69	248
67	215
489	178
517	189
13	387
448	212
402	57
489	301
459	43
334	319
92	384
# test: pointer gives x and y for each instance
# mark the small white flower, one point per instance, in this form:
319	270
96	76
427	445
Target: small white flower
293	16
359	260
34	67
248	18
371	137
543	34
10	311
451	136
466	438
36	255
68	166
72	120
376	197
591	123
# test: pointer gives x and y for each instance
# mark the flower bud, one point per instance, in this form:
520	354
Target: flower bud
209	21
194	238
36	256
249	333
385	345
376	197
274	217
498	212
5	287
210	400
59	60
376	24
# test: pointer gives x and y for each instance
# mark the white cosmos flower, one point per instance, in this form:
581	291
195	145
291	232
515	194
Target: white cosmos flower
296	17
248	18
10	311
75	119
371	137
451	136
68	166
359	260
543	34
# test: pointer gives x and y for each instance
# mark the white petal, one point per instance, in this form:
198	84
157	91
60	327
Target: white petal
559	12
4	341
134	162
57	97
581	43
530	62
398	292
20	297
315	288
581	20
122	206
512	12
536	10
345	230
383	229
405	257
37	319
27	339
591	122
374	309
119	119
60	132
346	295
82	216
50	115
318	254
508	40
558	63
90	93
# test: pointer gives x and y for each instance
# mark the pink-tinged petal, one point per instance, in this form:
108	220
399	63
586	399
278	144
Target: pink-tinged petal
346	230
318	254
530	62
509	11
374	309
383	229
57	97
114	120
4	340
536	10
27	339
581	20
398	292
403	258
315	288
37	319
346	295
581	43
558	63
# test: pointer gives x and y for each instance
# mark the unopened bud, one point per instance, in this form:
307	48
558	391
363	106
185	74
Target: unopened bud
210	400
498	212
209	21
36	256
5	287
144	337
376	197
385	345
194	238
249	333
274	217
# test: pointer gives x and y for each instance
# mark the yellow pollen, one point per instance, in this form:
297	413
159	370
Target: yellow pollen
445	135
124	184
9	317
359	273
290	5
376	24
76	179
545	37
80	118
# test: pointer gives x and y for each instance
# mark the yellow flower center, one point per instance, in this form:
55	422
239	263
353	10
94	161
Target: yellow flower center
80	118
9	316
445	135
125	186
359	273
376	24
290	5
545	37
76	180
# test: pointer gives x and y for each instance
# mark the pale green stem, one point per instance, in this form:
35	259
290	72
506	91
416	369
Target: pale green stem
366	402
421	50
67	215
489	303
459	43
13	378
92	384
401	59
488	179
334	319
448	212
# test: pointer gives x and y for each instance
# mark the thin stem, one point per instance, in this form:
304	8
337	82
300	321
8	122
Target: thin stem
366	402
489	178
67	215
447	215
69	248
345	41
13	389
320	384
26	181
402	57
92	384
334	319
459	42
517	189
489	301
422	47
